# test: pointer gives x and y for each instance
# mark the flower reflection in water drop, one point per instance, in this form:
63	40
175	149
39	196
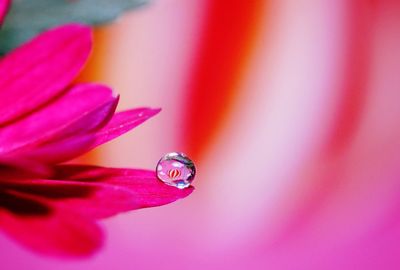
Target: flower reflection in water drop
176	169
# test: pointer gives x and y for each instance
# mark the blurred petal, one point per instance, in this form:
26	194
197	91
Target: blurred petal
101	192
63	150
42	227
41	69
4	4
17	167
60	151
123	122
94	200
84	108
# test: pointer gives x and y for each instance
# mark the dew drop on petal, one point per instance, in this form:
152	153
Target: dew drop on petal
176	169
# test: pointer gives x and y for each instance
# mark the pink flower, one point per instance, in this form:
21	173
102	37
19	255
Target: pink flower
44	121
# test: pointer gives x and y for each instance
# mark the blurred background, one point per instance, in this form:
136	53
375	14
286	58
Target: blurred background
290	110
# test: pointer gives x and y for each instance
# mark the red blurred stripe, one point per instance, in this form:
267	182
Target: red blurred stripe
356	73
227	42
355	77
328	171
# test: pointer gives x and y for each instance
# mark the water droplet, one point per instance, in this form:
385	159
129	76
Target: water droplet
176	169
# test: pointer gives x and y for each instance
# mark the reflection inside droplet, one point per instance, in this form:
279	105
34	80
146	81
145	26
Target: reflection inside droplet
176	169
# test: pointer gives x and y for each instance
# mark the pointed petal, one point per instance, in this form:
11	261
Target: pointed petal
40	226
94	200
123	122
4	4
61	151
41	69
101	192
84	108
64	150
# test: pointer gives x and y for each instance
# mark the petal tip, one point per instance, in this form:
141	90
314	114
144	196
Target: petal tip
157	110
79	31
190	190
153	111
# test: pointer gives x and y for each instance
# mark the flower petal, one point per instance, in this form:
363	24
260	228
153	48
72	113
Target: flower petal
84	108
58	151
4	4
42	227
64	150
123	122
61	151
20	167
102	192
41	69
94	200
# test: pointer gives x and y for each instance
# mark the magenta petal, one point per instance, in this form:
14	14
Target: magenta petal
41	69
39	225
4	4
94	200
86	107
101	192
16	167
123	122
61	151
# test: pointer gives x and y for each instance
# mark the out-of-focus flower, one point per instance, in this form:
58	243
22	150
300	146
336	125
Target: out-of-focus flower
301	171
44	121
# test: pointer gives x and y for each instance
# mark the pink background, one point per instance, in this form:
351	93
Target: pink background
291	112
